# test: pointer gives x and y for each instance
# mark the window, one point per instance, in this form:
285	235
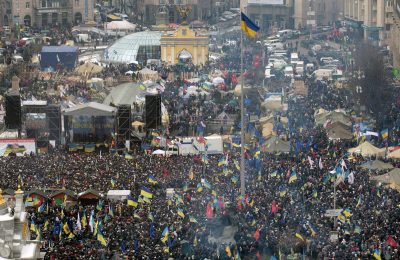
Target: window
43	3
76	2
27	5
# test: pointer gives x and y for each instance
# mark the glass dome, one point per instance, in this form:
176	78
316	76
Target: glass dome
139	47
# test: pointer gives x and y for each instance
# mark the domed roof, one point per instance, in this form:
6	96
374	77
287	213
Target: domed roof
125	50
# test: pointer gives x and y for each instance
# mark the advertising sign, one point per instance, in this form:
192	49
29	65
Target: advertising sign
18	146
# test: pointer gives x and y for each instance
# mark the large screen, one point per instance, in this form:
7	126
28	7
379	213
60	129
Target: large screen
265	2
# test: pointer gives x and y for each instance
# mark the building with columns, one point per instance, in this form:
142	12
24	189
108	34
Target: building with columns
394	39
374	18
183	45
49	13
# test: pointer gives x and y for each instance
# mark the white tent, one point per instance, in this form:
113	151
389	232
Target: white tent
121	26
91	109
395	154
158	152
118	194
367	149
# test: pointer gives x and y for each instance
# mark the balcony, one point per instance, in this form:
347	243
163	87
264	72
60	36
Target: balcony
389	9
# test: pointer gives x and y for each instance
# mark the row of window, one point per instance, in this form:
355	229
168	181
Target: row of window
51	3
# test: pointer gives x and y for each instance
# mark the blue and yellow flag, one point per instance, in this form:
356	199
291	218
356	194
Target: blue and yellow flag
128	156
165	234
152	180
385	133
132	202
145	192
180	213
248	26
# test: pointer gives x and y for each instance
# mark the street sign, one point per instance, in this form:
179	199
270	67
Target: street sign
333	212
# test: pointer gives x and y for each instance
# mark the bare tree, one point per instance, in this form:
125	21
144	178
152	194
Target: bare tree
375	81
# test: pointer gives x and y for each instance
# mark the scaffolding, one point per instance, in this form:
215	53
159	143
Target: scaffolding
42	128
123	125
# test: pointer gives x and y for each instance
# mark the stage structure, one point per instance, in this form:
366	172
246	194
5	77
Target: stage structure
89	124
42	121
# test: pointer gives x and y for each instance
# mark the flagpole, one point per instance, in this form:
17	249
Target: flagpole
242	174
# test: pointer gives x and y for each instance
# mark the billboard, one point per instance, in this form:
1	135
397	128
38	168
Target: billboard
18	146
265	2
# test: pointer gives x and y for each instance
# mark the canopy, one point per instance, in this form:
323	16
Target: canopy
276	145
88	69
391	178
91	109
376	165
395	154
158	152
148	74
121	26
125	94
333	116
367	149
339	131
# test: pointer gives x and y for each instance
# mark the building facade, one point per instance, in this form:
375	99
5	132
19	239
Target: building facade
373	17
49	13
201	10
315	12
395	34
184	44
270	15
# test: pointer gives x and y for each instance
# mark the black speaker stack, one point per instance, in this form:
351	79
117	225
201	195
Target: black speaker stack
13	112
153	111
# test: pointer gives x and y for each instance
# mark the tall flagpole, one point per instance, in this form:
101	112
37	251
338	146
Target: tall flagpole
242	175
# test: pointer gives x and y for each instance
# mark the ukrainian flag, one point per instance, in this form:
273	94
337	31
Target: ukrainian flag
347	213
248	26
293	177
377	254
221	161
145	192
234	179
165	234
66	228
385	133
152	180
132	202
101	239
128	156
89	148
192	219
180	213
299	236
199	187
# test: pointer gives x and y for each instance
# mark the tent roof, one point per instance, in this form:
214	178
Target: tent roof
274	145
88	68
339	131
376	165
395	154
124	94
121	25
91	109
392	177
366	149
89	191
